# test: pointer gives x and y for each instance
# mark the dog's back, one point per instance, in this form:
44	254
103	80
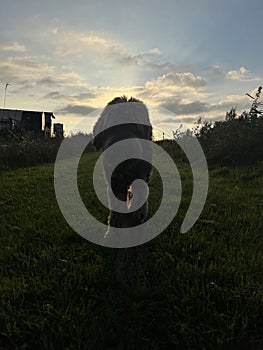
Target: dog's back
124	119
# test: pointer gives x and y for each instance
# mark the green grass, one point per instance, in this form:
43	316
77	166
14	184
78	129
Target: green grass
200	290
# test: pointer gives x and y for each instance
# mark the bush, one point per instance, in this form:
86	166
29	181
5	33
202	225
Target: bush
18	149
235	141
27	153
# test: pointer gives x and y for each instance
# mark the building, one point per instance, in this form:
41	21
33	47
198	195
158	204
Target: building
58	129
34	122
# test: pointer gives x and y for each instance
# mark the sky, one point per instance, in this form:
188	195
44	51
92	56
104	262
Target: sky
186	59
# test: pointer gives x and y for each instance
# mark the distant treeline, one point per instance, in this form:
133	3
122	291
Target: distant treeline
18	149
236	140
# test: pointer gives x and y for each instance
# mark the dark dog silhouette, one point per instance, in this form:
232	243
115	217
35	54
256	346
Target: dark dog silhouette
123	119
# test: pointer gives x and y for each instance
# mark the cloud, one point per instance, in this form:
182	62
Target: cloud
76	109
36	83
24	68
60	80
12	47
75	97
84	95
26	62
98	48
174	121
82	43
140	59
171	80
213	70
41	78
48	81
154	60
230	101
189	111
180	108
173	86
54	95
242	74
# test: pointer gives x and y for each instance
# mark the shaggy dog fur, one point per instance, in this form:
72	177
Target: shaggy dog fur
107	133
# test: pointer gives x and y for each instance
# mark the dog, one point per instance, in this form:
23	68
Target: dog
124	119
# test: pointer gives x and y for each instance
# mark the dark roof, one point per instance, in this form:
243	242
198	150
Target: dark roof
27	111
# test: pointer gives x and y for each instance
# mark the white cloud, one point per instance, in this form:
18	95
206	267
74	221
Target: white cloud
172	86
179	92
82	43
177	80
12	46
96	48
242	74
32	73
64	81
26	67
241	102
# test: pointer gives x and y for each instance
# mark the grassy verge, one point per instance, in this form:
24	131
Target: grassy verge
202	289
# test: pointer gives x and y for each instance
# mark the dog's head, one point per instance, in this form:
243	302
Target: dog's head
121	119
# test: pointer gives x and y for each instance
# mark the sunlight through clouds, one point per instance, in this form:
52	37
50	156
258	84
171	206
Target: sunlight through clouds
74	61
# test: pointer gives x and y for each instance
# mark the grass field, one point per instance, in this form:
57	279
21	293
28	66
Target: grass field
200	290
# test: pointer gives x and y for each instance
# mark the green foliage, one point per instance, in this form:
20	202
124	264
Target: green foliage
19	149
238	140
174	150
201	290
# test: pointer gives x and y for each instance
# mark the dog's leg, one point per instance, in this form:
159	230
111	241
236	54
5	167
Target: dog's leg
116	219
140	215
